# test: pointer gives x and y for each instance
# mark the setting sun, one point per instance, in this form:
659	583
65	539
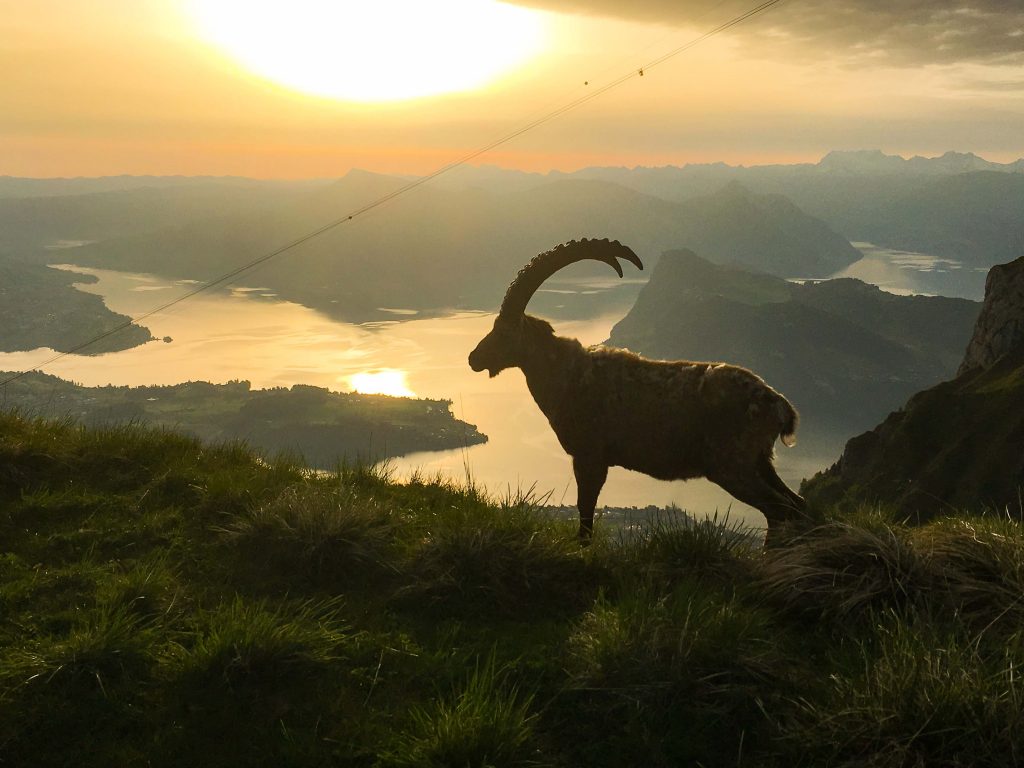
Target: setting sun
387	50
384	382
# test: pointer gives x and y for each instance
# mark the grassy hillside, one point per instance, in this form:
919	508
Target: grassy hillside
955	442
168	604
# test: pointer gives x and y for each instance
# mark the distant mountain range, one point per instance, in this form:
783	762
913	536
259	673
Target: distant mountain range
956	206
873	162
432	249
845	353
32	222
15	186
457	242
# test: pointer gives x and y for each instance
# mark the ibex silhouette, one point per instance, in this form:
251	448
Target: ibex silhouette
609	407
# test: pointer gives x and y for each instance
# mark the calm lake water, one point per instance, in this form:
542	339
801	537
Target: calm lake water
906	273
250	334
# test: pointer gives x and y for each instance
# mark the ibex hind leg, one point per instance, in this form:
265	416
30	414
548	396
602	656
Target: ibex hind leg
759	493
590	479
766	470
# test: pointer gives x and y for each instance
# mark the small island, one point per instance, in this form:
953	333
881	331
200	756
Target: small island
321	426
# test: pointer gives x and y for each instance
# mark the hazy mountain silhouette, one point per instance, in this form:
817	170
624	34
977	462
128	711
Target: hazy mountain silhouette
977	218
31	222
457	243
873	162
15	186
957	206
766	232
441	248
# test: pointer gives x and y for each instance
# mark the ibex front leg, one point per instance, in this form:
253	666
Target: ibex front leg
590	477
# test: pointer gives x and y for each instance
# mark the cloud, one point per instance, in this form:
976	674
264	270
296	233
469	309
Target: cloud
889	32
987	85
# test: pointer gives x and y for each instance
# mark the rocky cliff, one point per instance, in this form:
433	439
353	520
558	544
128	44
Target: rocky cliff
958	445
1000	327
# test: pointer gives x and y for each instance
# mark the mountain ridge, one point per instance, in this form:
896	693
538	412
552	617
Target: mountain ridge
446	248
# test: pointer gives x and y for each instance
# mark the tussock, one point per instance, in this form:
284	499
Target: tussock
243	643
330	534
841	571
676	547
979	565
471	559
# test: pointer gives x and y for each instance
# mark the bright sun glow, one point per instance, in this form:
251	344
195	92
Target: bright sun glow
373	50
385	382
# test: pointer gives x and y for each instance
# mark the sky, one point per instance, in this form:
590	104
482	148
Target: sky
310	88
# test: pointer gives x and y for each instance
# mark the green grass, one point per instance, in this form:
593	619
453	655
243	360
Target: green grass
485	722
917	695
840	571
168	603
323	536
671	678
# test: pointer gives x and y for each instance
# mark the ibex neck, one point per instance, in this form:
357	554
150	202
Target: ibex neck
552	369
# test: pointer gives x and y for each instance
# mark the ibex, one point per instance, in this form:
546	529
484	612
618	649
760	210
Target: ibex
609	407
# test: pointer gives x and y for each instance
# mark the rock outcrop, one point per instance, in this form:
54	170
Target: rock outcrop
957	446
1000	327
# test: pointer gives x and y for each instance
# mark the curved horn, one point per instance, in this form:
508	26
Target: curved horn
546	264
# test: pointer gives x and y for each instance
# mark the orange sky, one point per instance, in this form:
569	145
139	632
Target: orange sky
102	87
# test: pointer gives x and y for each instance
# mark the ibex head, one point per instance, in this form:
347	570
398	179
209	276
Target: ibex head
513	329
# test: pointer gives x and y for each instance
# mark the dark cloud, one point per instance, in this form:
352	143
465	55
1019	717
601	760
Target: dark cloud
981	85
902	32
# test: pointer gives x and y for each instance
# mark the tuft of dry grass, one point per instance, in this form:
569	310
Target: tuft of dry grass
978	564
841	571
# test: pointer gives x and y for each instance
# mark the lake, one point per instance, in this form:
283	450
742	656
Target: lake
906	273
248	333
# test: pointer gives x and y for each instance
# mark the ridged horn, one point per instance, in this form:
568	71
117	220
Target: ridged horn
546	264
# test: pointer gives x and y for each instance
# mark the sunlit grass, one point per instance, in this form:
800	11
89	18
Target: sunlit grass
472	557
670	677
101	647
